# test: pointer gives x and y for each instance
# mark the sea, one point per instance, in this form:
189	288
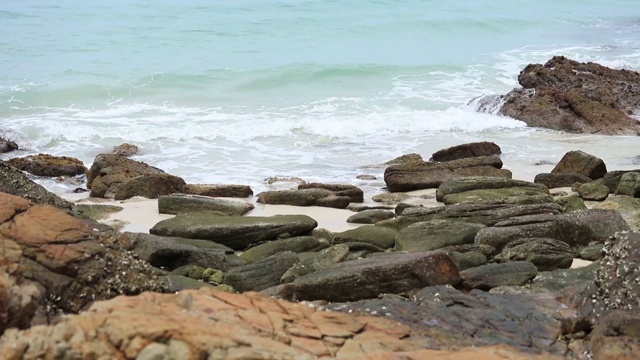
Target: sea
239	91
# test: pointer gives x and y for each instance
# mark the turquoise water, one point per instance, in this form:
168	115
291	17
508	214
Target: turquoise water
237	91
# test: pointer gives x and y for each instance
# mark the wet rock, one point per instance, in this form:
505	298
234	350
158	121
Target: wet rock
109	171
208	275
629	185
150	186
488	276
366	177
295	244
351	191
184	203
425	175
305	197
237	232
545	254
262	274
582	163
571	203
553	181
436	234
566	95
475	149
616	337
13	181
371	216
125	150
382	237
320	261
235	191
591	252
7	145
48	165
594	191
370	277
515	195
464	184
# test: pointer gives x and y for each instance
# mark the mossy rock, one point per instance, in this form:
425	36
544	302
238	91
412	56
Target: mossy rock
382	237
513	195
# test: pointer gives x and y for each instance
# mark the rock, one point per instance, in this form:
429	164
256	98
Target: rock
382	237
7	145
362	207
370	277
488	276
262	274
237	232
366	177
47	165
95	211
125	150
562	279
109	171
627	206
286	179
295	244
464	184
424	175
19	298
629	185
436	234
582	163
184	203
13	181
514	195
150	186
305	197
553	181
208	275
545	254
235	191
486	250
353	192
475	149
576	97
171	253
174	283
594	191
591	252
322	260
571	203
468	260
407	158
612	178
390	198
371	216
616	337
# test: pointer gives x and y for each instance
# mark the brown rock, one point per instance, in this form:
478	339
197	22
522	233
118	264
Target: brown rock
407	158
304	197
7	145
616	337
236	191
353	192
582	163
475	149
47	165
109	171
561	180
125	150
150	186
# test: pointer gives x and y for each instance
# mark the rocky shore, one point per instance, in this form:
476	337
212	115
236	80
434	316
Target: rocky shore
454	260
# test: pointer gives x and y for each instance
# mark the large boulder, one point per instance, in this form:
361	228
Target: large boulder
183	203
436	234
236	232
236	191
612	178
582	163
425	175
304	197
48	165
13	181
566	95
475	149
150	186
109	171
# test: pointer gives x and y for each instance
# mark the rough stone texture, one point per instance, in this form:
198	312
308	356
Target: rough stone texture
150	186
513	195
545	254
488	276
475	149
627	206
353	192
262	274
561	180
235	191
211	324
591	252
425	175
571	203
125	150
19	298
382	237
13	181
468	259
320	261
463	184
436	234
582	163
48	165
612	178
295	244
616	337
370	277
562	279
594	191
109	171
236	232
7	145
371	216
304	197
576	97
390	198
185	203
629	185
407	158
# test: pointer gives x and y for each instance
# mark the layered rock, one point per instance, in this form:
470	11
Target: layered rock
561	180
371	216
353	192
545	254
436	234
489	276
183	203
7	145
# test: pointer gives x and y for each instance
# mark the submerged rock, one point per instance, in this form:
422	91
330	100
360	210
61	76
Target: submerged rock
7	145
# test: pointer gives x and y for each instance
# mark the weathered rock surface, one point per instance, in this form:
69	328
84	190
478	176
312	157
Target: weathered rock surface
629	185
627	206
594	191
185	203
616	337
316	262
424	175
353	192
467	260
436	234
489	276
150	186
382	237
576	97
261	274
562	279
371	216
236	232
236	191
545	254
571	203
48	165
390	198
14	182
475	149
295	244
512	195
464	184
125	150
561	180
109	171
370	277
582	163
7	145
406	158
612	178
305	197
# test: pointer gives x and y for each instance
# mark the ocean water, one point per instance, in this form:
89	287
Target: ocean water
239	91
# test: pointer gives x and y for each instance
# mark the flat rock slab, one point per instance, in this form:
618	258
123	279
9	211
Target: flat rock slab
436	234
48	165
370	277
463	184
353	192
15	182
261	274
304	197
236	232
545	254
221	190
184	203
561	180
382	237
507	195
489	276
296	244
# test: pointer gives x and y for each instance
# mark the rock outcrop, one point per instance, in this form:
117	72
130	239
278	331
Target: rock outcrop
109	171
14	182
48	165
7	145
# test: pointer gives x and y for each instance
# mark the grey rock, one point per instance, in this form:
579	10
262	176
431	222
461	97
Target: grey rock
296	244
371	216
261	274
594	191
304	197
629	185
474	149
175	283
591	252
14	182
109	171
513	195
150	186
219	190
582	163
561	180
318	261
184	203
545	254
488	276
351	191
571	203
381	237
612	178
468	260
463	184
436	234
